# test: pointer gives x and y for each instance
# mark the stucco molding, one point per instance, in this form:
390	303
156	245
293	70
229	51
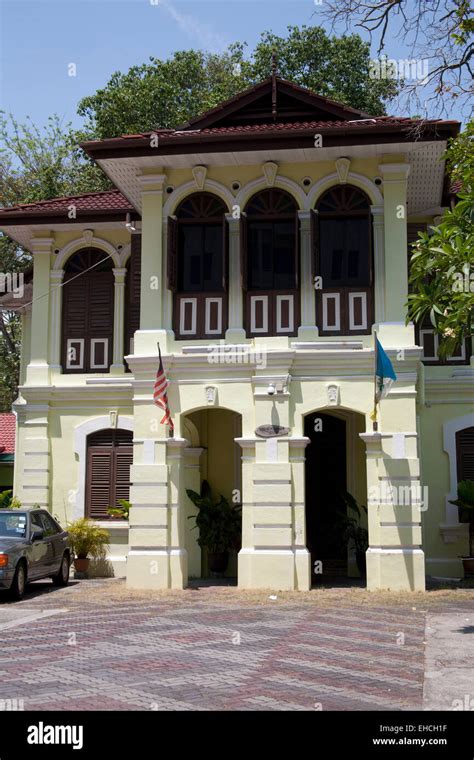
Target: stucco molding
80	449
189	188
353	178
80	242
284	183
450	429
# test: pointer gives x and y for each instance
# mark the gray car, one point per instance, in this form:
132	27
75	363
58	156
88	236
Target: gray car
32	546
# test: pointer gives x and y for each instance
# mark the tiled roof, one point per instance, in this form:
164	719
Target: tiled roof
7	433
109	200
375	123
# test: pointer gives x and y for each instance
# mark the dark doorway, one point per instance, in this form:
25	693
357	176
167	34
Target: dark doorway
325	481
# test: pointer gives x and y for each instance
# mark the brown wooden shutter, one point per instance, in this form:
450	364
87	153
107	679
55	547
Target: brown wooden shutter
244	251
74	313
100	318
315	243
225	253
133	290
172	254
297	250
465	454
109	458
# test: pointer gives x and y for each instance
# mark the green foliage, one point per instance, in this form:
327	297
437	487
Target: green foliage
219	523
166	93
351	530
87	539
442	275
8	501
465	502
122	511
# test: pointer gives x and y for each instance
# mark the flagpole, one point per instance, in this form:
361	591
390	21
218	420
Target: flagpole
170	427
374	421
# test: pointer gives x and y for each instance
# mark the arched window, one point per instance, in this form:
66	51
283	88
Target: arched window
272	241
344	261
465	454
88	312
197	266
269	239
109	458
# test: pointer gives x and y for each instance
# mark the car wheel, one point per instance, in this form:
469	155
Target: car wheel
17	589
62	576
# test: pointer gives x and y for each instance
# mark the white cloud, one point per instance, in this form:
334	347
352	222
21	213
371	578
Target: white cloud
193	28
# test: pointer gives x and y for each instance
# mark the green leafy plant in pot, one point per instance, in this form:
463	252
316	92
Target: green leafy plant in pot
219	524
121	512
88	541
465	503
353	534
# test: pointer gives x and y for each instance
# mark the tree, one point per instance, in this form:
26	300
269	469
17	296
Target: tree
442	273
436	31
166	93
34	165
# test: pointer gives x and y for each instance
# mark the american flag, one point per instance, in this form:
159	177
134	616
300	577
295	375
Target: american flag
160	396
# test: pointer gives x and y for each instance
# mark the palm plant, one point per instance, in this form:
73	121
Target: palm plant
87	539
219	523
465	502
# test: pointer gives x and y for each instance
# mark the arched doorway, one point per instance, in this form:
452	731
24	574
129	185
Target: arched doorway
215	457
335	466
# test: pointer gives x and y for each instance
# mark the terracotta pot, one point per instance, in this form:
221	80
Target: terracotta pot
468	564
218	561
81	565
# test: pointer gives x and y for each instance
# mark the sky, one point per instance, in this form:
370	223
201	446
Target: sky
40	39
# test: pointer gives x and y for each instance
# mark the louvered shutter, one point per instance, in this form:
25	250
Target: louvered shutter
123	460
465	454
132	296
100	469
243	251
297	251
74	322
225	253
172	254
100	317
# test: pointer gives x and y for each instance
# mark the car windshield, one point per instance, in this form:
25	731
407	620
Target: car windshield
13	525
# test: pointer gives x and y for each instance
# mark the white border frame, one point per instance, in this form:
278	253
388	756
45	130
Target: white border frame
352	325
207	316
81	353
182	305
337	298
291	313
80	449
105	342
253	301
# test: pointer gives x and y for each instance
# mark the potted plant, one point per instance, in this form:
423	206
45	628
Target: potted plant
465	503
219	524
353	533
88	541
121	512
8	501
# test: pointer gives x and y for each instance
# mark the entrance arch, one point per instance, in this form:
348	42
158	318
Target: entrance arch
335	464
214	456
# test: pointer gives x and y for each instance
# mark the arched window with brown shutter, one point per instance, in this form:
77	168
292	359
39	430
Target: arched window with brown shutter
109	458
344	305
271	262
88	313
197	266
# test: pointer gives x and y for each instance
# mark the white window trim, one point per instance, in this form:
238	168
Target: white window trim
337	298
253	301
182	307
207	327
291	313
81	353
352	325
105	342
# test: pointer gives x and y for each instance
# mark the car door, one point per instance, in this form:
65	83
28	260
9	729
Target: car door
38	549
57	539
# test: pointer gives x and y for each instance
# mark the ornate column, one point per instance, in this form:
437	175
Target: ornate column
37	372
307	330
56	277
393	330
379	262
152	267
118	367
235	332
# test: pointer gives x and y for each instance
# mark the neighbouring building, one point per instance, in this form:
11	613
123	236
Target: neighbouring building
260	245
7	450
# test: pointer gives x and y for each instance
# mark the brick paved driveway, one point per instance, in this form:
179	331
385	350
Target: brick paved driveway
95	645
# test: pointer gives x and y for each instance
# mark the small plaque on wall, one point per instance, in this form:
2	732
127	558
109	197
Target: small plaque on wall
271	431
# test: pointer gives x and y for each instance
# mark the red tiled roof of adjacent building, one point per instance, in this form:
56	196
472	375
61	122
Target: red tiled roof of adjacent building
7	433
108	200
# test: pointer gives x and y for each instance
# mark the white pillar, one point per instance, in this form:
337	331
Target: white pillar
235	332
56	277
37	372
118	367
307	329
